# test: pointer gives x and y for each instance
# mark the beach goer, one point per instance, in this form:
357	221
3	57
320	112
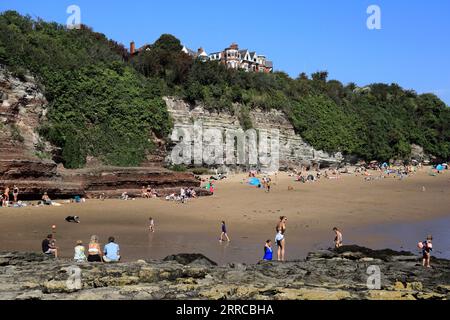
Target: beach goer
268	184
94	251
15	193
46	199
280	238
427	247
80	252
124	196
49	246
268	251
338	238
144	192
6	195
224	233
151	224
111	251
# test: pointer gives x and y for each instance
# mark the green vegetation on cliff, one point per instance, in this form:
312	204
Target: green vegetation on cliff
105	103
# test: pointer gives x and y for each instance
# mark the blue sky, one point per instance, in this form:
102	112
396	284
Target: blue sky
411	49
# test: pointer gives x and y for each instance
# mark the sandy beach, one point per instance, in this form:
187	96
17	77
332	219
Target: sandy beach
368	212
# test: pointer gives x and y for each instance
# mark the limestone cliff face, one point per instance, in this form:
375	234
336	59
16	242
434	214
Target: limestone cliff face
23	108
293	151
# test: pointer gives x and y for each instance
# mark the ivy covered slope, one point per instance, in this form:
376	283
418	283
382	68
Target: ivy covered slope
105	103
98	105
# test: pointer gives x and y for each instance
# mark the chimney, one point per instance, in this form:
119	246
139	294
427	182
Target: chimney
234	46
132	47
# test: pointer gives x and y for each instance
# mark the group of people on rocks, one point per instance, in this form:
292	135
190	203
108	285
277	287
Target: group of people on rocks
184	196
5	198
148	192
110	253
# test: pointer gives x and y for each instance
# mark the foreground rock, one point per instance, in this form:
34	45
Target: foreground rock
323	275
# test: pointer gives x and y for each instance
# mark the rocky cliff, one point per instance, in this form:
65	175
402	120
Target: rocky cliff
26	159
330	275
293	151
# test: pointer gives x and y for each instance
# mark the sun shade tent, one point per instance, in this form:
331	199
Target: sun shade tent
254	182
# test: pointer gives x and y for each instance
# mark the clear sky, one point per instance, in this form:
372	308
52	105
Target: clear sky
411	49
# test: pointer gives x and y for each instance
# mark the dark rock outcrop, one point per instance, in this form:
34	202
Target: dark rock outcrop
326	274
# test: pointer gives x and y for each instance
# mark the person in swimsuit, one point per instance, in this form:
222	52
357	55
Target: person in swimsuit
15	193
280	239
427	247
6	195
224	233
268	251
338	238
151	224
94	251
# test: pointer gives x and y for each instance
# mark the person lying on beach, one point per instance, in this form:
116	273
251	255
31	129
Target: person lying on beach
74	219
338	238
94	251
80	255
111	251
268	251
49	246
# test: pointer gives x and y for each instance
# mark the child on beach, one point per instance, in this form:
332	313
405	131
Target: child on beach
224	233
268	251
427	247
338	238
80	255
151	224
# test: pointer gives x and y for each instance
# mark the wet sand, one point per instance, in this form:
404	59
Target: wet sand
386	212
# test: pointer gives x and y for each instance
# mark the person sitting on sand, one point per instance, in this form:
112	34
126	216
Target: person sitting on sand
338	238
49	246
94	251
224	233
46	199
279	238
80	255
427	247
6	196
15	193
144	193
111	251
268	251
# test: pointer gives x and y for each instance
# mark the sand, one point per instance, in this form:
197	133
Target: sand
313	209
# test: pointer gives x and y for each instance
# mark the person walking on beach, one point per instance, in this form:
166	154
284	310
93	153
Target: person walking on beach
224	233
15	193
427	247
94	251
49	246
268	251
112	251
80	255
338	238
280	239
151	224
